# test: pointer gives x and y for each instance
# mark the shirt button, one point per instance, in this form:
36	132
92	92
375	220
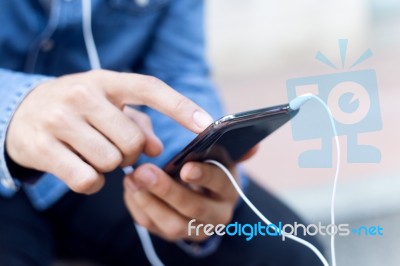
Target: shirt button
47	45
142	3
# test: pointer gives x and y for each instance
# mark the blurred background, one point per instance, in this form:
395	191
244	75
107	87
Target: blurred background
255	46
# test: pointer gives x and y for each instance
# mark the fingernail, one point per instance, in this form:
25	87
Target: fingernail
195	173
147	177
131	185
202	119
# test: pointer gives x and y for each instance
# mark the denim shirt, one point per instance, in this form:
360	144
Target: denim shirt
41	40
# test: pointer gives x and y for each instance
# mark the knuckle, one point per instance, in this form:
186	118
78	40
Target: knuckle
98	73
145	118
225	217
143	202
83	182
181	103
165	190
57	118
40	147
151	80
111	161
197	210
150	85
175	229
134	144
95	72
144	222
78	94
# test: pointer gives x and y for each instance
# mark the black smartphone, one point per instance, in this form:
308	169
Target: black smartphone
230	137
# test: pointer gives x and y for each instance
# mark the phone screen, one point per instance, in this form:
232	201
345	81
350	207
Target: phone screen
230	137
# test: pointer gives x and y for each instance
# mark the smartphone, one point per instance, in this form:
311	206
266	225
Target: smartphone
230	137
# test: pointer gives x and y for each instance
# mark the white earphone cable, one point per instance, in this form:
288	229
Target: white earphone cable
94	61
335	180
143	234
295	104
88	34
148	246
261	216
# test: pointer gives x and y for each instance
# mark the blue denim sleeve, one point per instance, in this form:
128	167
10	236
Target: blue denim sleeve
14	86
177	57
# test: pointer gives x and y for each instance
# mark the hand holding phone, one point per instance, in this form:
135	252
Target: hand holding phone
231	137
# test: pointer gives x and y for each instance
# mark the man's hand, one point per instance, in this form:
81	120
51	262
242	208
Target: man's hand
78	126
165	206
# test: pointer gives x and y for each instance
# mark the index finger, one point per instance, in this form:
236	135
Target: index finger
129	88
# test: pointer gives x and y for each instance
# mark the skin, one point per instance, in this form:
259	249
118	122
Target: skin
79	126
165	206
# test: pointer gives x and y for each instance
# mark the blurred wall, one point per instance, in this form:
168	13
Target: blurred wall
252	35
